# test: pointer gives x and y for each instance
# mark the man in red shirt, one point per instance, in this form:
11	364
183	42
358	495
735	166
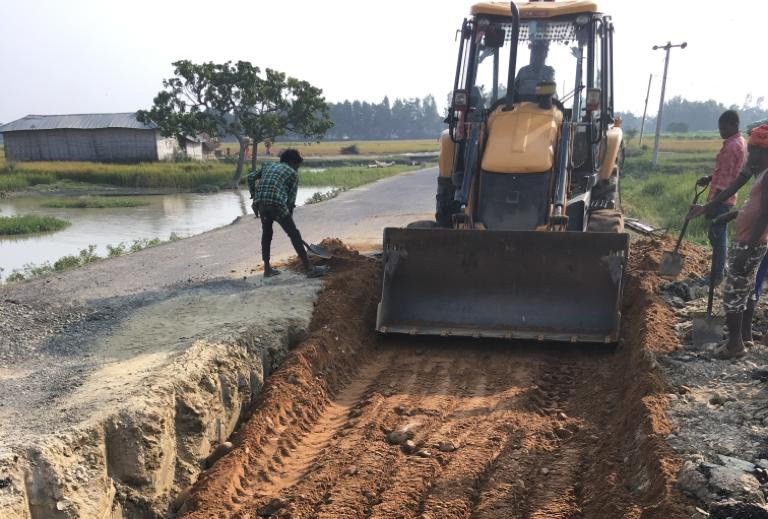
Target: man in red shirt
730	161
749	245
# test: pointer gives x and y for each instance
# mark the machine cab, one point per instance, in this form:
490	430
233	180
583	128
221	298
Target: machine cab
530	114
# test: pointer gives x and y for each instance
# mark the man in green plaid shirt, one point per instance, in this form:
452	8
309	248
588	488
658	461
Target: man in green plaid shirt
273	190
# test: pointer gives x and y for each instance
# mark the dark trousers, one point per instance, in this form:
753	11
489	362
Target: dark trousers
271	214
718	239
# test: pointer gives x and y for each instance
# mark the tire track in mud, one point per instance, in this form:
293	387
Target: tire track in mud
504	426
498	429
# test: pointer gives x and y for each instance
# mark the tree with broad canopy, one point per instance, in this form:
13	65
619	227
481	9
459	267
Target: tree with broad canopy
223	99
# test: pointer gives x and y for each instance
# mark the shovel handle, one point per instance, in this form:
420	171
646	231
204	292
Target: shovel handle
682	233
712	281
697	194
711	295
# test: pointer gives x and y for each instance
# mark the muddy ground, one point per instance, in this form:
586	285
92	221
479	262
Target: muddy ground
358	425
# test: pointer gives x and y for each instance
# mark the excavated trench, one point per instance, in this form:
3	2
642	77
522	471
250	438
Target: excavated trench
358	425
118	408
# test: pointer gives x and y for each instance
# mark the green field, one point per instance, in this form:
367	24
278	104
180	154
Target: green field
330	148
663	195
187	176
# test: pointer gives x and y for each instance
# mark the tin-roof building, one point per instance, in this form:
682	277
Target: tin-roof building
90	137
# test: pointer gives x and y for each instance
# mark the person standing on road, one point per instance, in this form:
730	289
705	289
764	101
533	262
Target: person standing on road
273	190
749	245
729	162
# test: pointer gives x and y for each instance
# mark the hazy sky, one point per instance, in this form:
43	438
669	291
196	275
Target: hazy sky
84	56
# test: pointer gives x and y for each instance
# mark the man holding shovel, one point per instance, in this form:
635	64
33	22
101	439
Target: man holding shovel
749	245
729	162
274	198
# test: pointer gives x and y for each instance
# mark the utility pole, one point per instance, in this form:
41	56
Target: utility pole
645	110
667	48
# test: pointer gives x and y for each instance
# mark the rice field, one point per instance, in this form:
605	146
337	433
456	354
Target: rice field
182	176
332	148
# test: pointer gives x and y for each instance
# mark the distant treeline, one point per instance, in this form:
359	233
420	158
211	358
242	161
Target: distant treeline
681	115
402	119
422	119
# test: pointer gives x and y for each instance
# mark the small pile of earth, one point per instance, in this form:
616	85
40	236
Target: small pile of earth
334	246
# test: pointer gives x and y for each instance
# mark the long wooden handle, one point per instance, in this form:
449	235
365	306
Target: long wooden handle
696	196
682	233
712	285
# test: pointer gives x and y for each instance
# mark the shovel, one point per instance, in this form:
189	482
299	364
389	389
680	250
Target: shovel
318	250
707	328
672	262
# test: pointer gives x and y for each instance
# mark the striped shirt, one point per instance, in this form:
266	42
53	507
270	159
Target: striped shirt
729	163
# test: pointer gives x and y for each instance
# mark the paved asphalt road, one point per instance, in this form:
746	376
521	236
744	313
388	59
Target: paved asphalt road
357	217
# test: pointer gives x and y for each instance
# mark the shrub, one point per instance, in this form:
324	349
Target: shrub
350	150
30	224
94	202
116	250
322	197
66	263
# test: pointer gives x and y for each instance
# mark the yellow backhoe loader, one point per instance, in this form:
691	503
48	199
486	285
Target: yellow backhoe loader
528	238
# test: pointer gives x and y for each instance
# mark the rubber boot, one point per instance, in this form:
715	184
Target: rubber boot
746	323
734	348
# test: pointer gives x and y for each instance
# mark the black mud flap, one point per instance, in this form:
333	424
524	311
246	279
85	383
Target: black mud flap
556	286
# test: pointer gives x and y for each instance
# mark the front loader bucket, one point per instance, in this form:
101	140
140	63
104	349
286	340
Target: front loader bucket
560	286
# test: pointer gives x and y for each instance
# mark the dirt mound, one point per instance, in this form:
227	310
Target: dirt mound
296	395
338	249
355	425
646	256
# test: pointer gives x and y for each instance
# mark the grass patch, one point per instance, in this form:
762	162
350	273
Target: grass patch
12	181
164	175
30	224
350	177
94	202
662	196
663	201
322	197
85	256
179	176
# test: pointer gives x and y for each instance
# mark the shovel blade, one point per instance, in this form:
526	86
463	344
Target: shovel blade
707	329
319	251
671	264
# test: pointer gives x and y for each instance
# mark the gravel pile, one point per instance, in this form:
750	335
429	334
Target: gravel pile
24	328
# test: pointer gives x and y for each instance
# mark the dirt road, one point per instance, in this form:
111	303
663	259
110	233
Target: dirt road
358	426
